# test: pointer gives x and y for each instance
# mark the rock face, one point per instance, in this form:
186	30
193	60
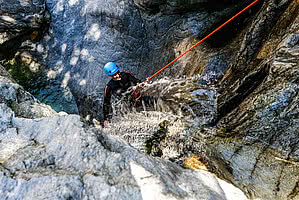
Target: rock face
22	25
22	102
264	126
239	114
141	36
253	140
18	21
73	40
59	157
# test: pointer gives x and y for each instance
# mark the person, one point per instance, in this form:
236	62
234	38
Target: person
118	85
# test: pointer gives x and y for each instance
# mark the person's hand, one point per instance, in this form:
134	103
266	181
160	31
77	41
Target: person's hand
106	124
141	84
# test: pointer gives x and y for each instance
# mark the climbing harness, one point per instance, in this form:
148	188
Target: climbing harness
200	41
136	95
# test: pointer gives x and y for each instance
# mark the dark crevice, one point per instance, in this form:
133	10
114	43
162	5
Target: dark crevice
230	31
9	48
295	192
278	181
89	108
259	157
151	7
247	86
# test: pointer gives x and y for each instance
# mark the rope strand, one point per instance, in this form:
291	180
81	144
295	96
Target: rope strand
201	41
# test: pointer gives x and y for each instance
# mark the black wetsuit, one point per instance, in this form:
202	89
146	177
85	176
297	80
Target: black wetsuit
117	88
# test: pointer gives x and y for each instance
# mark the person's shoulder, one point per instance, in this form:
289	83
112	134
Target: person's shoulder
110	83
128	73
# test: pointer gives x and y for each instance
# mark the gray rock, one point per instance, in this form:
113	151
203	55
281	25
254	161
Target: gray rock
255	144
84	35
252	141
6	115
216	67
59	157
22	102
18	16
260	135
66	160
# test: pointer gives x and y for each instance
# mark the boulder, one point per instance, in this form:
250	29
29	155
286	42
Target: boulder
60	158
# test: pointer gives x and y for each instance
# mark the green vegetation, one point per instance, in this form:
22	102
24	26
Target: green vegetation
23	74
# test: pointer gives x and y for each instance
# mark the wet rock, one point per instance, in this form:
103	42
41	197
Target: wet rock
52	93
133	36
22	102
58	157
22	24
20	21
259	137
254	142
216	67
250	138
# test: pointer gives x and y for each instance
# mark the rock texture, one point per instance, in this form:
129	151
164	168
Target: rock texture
141	36
22	26
22	102
264	125
238	115
20	21
60	157
252	139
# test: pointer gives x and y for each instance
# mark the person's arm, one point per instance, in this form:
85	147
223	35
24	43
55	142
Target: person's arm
107	105
132	78
135	92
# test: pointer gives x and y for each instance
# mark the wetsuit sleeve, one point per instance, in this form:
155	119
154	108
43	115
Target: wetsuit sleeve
107	103
132	78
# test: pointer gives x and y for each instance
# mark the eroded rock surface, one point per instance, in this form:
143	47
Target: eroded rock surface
60	157
20	101
247	134
264	127
253	140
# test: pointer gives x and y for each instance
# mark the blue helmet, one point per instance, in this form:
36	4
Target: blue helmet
111	68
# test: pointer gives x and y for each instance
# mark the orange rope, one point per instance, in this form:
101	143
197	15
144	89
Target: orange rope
201	41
